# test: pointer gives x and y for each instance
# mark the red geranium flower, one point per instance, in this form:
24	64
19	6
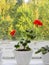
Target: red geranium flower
12	33
38	23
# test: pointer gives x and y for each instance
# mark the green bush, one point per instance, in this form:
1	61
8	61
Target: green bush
20	16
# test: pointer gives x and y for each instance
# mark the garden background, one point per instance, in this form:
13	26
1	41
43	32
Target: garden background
19	15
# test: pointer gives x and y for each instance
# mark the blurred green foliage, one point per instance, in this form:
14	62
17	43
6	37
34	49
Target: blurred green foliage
15	14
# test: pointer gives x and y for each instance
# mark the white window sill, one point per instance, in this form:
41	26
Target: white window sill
13	62
8	47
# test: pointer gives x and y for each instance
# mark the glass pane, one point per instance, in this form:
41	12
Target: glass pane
19	15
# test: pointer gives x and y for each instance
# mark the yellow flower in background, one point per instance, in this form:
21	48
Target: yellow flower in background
17	25
0	11
7	6
8	18
21	28
10	28
2	18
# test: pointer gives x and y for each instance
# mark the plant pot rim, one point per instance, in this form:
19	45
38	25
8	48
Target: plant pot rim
23	51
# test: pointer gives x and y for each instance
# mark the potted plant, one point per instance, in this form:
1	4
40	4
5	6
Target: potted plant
45	54
23	53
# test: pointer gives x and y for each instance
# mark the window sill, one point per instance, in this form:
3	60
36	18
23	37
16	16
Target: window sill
13	62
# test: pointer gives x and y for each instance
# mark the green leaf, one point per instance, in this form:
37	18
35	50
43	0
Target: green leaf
38	51
21	42
24	44
28	48
17	46
28	41
44	52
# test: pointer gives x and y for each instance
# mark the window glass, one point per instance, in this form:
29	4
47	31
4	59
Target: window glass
22	15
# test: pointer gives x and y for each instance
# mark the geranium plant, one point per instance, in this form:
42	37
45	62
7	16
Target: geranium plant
22	45
30	35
